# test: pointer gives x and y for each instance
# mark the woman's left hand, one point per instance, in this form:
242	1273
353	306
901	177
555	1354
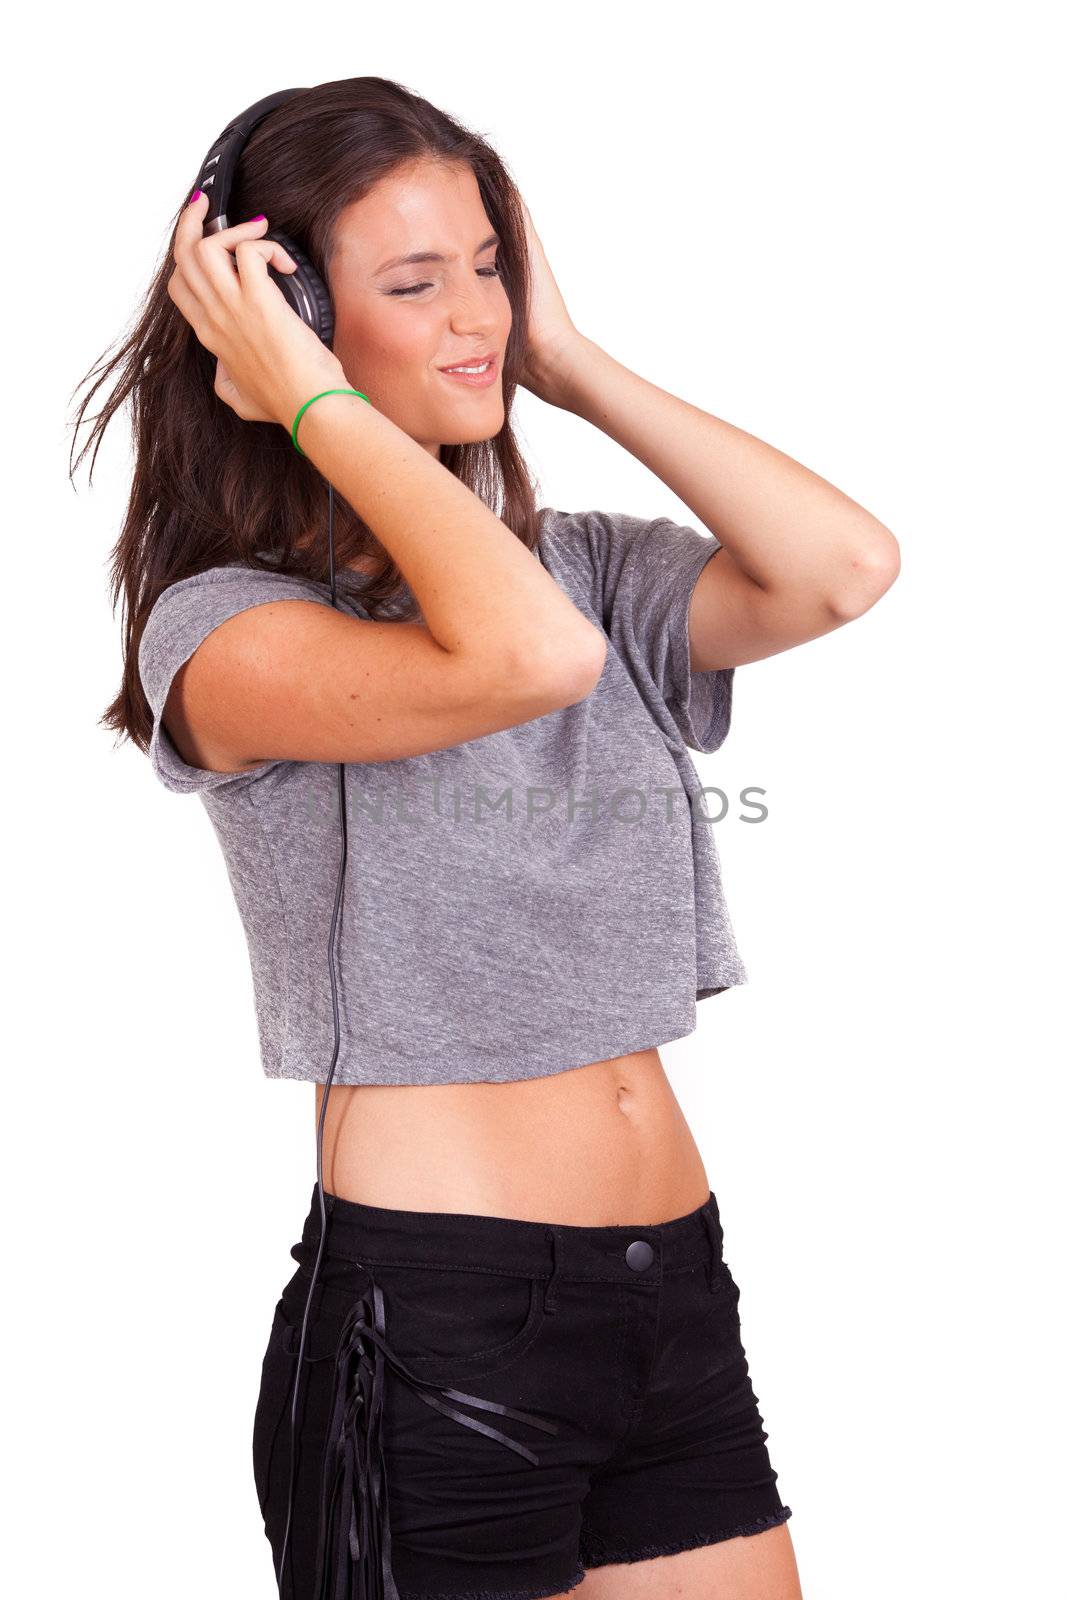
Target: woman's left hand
553	340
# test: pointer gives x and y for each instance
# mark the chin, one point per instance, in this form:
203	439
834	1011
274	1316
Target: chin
480	437
473	433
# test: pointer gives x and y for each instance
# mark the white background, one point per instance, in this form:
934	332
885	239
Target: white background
838	228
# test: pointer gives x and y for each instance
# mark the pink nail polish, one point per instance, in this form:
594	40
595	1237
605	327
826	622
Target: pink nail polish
194	196
261	216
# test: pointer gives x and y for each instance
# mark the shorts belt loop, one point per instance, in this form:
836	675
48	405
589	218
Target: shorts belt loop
709	1226
550	1291
711	1265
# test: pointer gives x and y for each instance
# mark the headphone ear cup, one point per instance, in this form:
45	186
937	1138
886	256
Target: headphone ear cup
304	289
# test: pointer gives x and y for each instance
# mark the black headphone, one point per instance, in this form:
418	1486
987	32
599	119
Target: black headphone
304	289
307	294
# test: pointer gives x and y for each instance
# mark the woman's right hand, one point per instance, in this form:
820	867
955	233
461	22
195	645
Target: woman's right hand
269	361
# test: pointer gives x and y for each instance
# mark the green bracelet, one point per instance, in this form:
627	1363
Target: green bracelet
311	402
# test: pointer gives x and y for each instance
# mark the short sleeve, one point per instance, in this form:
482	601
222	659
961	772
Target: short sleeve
182	617
642	575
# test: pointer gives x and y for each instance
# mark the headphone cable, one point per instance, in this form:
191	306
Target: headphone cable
337	906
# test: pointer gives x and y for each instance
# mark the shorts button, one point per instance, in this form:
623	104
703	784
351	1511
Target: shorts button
639	1255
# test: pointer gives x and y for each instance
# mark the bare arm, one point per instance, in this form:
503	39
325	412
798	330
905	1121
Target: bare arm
799	557
501	642
486	599
292	680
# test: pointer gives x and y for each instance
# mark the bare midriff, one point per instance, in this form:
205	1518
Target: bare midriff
599	1145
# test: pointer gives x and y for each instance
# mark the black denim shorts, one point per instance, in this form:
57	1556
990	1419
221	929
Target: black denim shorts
489	1406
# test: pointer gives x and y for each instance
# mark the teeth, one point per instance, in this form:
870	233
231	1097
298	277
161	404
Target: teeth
483	368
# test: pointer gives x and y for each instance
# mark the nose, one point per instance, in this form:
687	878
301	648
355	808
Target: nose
472	311
472	322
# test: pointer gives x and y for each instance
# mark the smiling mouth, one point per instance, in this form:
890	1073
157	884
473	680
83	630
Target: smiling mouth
475	374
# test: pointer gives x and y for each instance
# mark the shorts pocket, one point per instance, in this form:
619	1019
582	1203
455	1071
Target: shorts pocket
439	1320
458	1320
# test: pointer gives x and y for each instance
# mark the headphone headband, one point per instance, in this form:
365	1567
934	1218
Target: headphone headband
220	163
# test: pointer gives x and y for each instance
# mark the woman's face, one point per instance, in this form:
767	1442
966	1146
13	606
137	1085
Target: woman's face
397	326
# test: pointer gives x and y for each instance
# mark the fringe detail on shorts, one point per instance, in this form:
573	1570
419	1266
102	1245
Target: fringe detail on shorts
354	1557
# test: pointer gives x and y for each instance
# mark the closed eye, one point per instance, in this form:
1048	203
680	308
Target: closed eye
414	288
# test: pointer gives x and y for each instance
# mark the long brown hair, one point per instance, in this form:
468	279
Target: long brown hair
209	487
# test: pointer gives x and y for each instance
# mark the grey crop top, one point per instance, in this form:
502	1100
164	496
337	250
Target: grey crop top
521	904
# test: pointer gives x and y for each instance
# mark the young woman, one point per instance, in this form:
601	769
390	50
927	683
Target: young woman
532	901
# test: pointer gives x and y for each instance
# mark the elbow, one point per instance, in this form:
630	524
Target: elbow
562	672
584	666
572	670
873	566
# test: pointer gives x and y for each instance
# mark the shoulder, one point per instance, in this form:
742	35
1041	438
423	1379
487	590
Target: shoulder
591	532
233	578
186	611
618	557
612	544
589	546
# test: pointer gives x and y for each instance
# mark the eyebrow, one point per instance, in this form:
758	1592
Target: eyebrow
430	255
